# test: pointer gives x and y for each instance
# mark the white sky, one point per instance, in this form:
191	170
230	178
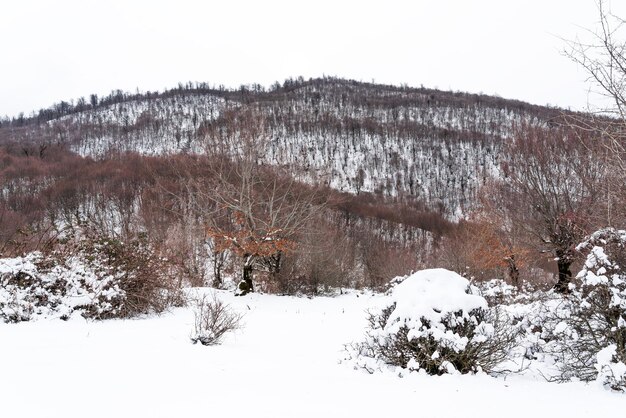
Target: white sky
64	49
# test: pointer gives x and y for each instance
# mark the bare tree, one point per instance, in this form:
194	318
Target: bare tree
251	210
551	192
601	52
603	56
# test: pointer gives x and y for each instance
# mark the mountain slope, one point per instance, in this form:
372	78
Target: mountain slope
412	143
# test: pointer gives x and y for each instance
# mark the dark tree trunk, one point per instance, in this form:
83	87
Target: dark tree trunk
565	275
245	286
513	271
218	263
275	264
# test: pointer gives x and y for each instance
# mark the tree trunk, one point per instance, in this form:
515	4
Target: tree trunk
245	286
565	275
275	260
218	263
513	271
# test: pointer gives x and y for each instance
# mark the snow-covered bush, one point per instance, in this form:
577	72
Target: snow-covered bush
147	280
42	286
497	291
213	319
435	323
96	278
591	334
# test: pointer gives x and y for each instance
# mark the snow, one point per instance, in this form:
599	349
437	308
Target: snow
432	294
425	300
17	264
285	362
610	370
61	291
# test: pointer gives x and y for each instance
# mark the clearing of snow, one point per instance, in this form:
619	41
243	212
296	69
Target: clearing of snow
286	361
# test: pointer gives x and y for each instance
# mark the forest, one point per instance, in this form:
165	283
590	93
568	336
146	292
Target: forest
398	179
488	232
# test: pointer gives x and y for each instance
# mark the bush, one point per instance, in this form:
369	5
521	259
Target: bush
20	291
435	324
590	335
143	277
43	286
213	319
98	278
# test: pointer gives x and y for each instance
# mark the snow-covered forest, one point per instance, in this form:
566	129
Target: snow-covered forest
320	246
436	146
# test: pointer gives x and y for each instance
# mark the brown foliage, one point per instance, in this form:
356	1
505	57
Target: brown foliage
370	205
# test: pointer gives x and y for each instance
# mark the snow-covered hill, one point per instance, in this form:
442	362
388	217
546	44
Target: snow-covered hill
434	146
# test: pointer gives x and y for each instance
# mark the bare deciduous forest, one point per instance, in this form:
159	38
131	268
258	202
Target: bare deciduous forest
352	183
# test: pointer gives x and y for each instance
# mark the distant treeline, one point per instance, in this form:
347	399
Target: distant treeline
384	95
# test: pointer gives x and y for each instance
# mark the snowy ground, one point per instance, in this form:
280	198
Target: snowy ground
285	362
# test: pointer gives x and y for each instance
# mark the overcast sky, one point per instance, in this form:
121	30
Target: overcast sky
64	49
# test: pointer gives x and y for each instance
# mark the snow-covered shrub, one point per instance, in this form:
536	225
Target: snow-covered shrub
44	286
134	267
96	278
497	291
434	323
213	319
20	291
591	333
532	316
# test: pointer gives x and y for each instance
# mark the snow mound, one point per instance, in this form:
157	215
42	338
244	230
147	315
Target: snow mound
434	322
611	371
427	300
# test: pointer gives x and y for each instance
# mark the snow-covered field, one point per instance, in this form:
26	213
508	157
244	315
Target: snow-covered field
286	361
